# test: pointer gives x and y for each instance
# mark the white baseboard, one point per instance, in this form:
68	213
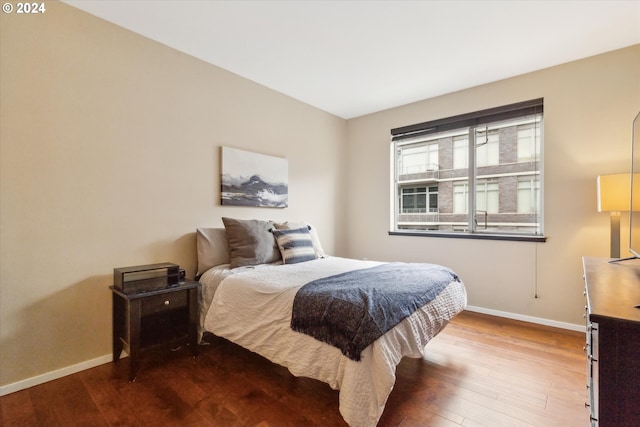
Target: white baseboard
54	375
59	373
530	319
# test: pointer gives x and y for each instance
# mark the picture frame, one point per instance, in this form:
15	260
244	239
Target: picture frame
253	179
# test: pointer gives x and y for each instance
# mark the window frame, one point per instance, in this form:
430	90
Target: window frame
472	121
414	195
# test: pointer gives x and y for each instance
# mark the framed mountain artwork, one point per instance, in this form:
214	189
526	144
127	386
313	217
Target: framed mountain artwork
252	179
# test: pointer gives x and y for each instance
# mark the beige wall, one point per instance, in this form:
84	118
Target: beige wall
589	106
110	157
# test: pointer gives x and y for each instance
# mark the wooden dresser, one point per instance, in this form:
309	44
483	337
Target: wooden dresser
613	341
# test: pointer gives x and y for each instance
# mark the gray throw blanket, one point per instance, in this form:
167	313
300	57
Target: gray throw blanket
353	309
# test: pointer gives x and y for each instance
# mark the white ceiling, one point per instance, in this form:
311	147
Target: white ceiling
352	58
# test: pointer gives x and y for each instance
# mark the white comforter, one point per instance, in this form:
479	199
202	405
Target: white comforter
251	306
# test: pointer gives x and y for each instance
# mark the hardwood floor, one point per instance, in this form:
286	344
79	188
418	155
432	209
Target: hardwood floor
480	371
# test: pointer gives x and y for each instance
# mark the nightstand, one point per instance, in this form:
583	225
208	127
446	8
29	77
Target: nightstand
163	317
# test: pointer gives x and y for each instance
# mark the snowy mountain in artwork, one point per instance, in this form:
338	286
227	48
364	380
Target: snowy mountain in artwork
253	179
253	191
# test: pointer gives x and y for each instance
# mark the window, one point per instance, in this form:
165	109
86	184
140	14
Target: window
478	174
487	148
487	197
461	152
529	196
419	200
417	158
528	142
461	198
414	200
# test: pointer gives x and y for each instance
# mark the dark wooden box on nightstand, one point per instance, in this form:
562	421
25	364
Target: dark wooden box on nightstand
162	317
142	278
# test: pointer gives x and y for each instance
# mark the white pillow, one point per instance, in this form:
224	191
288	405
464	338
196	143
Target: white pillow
213	248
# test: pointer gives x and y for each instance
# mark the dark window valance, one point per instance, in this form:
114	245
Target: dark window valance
505	112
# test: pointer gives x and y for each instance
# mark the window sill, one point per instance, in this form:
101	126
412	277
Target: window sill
477	236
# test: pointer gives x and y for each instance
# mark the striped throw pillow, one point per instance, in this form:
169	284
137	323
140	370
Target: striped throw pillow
295	245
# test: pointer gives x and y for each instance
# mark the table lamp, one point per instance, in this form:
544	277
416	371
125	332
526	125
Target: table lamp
614	196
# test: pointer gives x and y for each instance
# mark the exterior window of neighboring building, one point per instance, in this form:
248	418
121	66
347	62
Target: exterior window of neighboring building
487	197
528	142
461	198
433	199
528	196
414	200
487	148
477	174
461	152
418	158
419	199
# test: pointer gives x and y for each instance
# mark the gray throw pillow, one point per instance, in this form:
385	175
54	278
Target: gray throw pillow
250	242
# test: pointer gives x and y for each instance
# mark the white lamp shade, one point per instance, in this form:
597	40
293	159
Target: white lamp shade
614	192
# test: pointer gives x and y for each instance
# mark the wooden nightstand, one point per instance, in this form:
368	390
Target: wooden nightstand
163	317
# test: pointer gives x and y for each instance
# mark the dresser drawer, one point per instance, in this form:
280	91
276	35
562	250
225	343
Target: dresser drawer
163	302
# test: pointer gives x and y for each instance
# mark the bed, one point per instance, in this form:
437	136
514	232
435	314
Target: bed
250	291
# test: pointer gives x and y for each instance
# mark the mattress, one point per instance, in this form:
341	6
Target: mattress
251	306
